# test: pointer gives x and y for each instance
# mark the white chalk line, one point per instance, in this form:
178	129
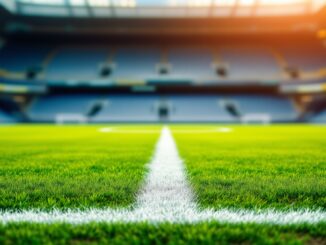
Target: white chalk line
166	197
107	130
114	130
223	130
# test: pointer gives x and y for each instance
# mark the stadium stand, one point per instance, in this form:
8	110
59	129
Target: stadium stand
199	109
140	64
153	108
136	64
20	57
49	108
319	118
128	108
231	108
277	109
165	66
250	64
76	64
306	59
5	118
191	63
94	108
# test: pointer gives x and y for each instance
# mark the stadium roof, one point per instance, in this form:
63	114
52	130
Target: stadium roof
162	8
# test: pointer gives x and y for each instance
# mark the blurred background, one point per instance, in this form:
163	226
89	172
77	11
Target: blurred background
178	61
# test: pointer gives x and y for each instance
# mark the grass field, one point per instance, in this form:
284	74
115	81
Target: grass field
282	167
207	233
250	167
48	167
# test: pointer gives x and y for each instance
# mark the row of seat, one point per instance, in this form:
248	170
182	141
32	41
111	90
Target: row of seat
304	57
135	64
150	108
320	117
6	118
126	108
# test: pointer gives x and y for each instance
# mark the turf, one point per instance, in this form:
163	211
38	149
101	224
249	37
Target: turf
256	167
252	167
60	167
212	233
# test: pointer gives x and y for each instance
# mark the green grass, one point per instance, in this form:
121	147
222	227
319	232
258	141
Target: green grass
61	167
256	167
212	233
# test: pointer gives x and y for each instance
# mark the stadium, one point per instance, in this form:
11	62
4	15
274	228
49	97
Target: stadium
162	122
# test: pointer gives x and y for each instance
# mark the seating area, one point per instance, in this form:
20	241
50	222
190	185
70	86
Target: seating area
319	118
250	64
278	109
6	118
154	108
17	57
198	109
136	64
76	64
172	64
306	59
48	108
107	108
128	108
217	108
191	64
141	64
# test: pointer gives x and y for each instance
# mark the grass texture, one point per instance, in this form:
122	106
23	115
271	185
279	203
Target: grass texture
212	233
252	167
256	167
60	167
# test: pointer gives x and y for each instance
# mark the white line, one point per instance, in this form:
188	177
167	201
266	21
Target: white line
127	131
105	130
203	131
166	197
166	194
